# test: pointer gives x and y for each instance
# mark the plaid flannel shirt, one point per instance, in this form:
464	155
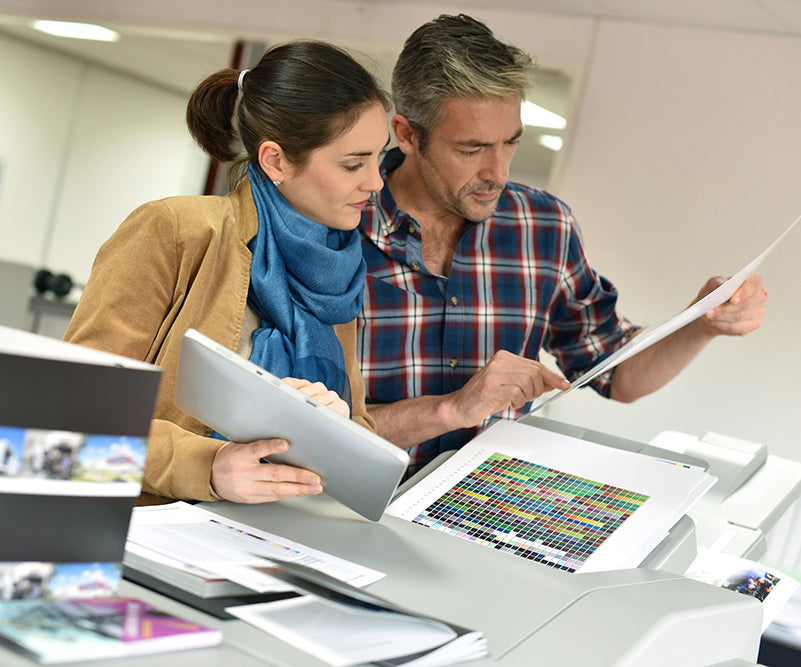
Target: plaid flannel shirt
519	281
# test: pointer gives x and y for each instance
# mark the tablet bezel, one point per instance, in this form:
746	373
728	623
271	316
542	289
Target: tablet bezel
244	402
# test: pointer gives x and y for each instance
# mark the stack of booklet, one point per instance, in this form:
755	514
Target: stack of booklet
74	426
141	563
328	615
181	541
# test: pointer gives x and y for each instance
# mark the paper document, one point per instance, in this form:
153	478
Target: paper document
557	500
228	548
655	333
344	625
785	628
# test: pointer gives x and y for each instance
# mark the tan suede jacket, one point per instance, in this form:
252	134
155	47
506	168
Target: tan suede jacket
176	264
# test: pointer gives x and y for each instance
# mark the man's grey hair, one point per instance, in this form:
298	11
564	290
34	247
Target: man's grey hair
454	57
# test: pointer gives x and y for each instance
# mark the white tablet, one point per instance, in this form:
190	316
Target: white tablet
244	402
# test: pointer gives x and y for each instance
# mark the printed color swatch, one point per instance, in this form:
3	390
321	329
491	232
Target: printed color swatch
535	512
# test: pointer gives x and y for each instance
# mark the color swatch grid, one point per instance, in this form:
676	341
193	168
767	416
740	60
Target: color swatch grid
535	512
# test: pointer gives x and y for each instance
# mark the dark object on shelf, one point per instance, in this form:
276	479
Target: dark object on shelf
59	284
776	654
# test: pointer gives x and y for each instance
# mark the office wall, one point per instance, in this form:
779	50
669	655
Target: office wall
34	131
80	147
684	163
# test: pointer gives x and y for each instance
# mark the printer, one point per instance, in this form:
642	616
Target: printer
648	616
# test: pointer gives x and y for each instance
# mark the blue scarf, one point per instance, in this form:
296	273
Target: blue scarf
304	277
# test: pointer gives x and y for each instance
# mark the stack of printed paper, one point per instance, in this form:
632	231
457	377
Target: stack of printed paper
178	535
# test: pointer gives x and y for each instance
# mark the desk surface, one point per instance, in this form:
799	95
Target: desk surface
508	598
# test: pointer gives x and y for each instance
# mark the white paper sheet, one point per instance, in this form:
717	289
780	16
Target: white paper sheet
655	333
786	626
342	635
228	548
671	489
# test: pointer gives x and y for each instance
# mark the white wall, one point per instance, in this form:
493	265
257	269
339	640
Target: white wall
684	163
129	145
80	147
34	128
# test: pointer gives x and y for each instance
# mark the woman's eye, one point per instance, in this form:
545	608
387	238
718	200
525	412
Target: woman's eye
354	167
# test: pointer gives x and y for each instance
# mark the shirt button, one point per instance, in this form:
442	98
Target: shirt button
454	301
454	363
411	229
415	266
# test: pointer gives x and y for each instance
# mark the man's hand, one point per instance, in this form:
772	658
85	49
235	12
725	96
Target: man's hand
741	314
237	473
654	367
506	381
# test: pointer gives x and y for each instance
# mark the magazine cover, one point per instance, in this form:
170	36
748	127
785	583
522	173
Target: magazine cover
68	630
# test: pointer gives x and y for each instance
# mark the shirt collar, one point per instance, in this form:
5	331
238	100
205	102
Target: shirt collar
382	217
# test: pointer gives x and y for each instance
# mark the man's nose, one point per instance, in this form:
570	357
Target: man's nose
495	167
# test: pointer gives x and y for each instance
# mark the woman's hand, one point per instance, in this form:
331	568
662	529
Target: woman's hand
320	393
237	473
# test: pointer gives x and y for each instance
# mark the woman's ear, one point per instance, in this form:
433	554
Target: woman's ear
272	161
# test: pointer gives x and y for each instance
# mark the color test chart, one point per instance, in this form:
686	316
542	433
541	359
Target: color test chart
552	498
533	511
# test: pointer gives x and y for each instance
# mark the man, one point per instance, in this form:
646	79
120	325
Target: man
470	276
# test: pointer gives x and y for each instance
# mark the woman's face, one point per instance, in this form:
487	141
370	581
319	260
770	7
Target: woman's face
335	184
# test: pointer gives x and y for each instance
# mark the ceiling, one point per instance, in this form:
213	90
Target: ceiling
173	59
174	44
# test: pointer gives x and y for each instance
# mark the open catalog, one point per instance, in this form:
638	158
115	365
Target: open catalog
345	625
567	503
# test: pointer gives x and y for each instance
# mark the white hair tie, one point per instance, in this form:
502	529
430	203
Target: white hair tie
241	79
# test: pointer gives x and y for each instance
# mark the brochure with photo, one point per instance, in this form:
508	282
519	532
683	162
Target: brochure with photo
74	425
58	581
55	462
772	587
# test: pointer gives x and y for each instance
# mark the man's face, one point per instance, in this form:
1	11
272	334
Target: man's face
466	162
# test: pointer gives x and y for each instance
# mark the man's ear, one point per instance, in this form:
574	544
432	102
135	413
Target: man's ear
272	161
404	134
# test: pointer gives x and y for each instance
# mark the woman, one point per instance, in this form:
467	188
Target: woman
272	270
